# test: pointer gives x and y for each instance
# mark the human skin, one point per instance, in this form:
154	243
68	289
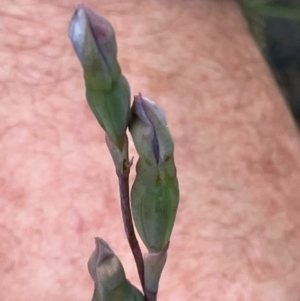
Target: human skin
237	153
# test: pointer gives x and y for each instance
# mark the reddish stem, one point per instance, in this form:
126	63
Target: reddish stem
128	225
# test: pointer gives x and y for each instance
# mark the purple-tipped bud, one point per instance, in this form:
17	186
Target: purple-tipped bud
109	277
94	42
105	268
149	130
155	193
107	90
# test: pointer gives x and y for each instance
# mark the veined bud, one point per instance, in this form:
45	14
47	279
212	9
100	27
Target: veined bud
107	90
109	277
149	131
154	194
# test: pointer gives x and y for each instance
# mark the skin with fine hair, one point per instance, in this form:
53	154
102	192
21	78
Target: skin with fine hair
237	149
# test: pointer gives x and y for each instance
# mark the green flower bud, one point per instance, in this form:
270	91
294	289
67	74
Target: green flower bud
107	90
109	277
154	194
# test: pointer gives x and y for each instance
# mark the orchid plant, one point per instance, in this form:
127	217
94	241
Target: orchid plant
153	200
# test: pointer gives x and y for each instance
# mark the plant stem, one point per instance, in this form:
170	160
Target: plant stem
150	296
128	225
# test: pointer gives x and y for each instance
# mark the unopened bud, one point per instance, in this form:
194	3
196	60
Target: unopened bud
155	194
109	277
149	130
107	90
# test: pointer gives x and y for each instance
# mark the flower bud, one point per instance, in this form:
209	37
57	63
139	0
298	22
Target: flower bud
149	130
154	194
109	277
107	90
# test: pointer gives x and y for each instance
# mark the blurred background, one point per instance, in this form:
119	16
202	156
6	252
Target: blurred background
275	25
